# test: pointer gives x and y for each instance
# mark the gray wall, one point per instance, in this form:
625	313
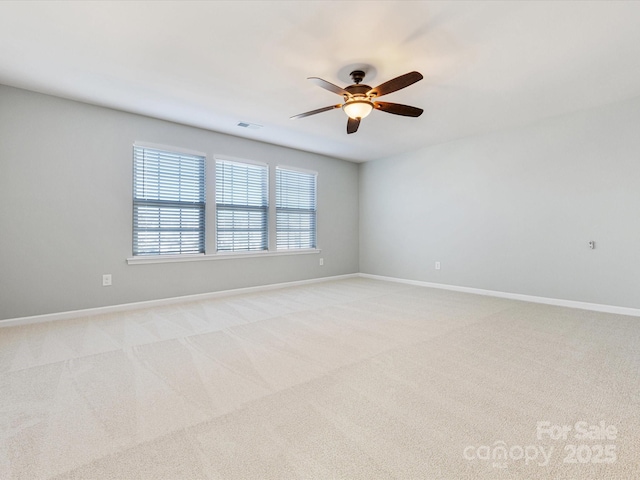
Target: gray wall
66	209
510	211
514	211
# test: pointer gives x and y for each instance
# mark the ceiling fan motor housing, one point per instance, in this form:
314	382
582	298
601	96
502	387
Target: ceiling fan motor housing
358	89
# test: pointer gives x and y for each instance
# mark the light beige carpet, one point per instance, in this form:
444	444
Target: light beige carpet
354	379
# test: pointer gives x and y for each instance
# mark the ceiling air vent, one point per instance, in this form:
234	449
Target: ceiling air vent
252	126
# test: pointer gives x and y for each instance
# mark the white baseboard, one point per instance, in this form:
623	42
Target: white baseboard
48	317
12	322
634	312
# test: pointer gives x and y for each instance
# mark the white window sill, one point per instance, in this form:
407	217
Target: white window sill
144	259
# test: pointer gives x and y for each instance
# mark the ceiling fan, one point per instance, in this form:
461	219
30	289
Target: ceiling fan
359	99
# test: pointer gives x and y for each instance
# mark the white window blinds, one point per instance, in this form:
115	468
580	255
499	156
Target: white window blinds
241	206
168	202
295	209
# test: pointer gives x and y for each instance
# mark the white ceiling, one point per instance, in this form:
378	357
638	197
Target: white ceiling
487	65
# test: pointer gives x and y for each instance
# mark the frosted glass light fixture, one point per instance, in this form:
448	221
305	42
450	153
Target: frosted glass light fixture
357	108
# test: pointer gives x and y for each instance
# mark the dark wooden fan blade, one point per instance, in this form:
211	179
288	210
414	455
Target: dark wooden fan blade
352	125
328	86
313	112
396	84
399	109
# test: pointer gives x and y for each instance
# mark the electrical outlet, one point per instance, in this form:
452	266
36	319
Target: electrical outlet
106	280
437	265
321	262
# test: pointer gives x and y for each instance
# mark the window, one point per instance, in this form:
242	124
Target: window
295	209
170	222
168	202
241	206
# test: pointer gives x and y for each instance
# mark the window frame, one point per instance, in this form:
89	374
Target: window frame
176	204
264	208
290	209
210	227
